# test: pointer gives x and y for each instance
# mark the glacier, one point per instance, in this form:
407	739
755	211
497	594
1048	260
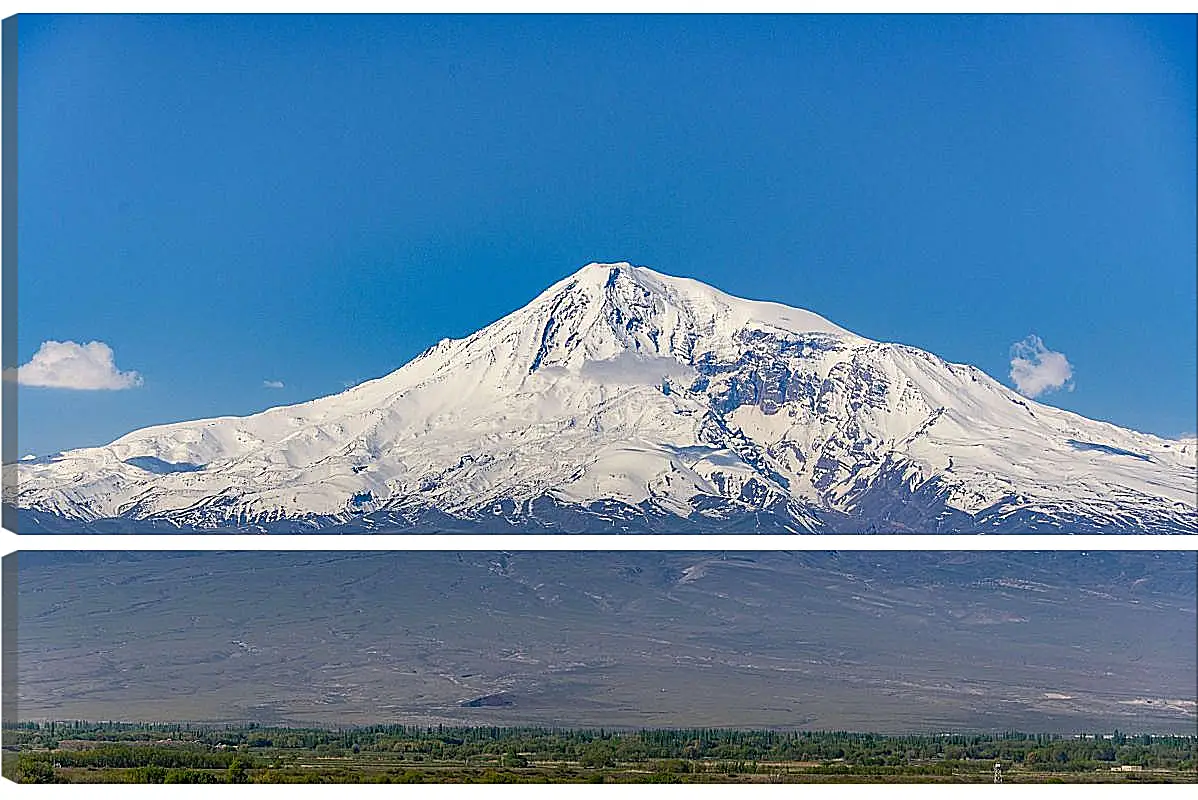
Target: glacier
622	400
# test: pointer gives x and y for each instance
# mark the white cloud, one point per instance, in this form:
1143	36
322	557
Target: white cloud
273	384
69	365
1035	369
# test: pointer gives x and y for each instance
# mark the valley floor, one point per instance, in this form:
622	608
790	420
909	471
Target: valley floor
106	753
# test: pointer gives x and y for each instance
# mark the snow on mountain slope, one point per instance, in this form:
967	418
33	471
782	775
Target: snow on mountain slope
623	399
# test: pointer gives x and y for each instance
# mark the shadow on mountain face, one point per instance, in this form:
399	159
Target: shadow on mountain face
160	467
848	640
1104	448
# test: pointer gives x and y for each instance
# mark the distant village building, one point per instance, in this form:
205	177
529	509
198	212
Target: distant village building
80	744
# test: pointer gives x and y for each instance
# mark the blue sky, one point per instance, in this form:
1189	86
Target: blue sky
227	201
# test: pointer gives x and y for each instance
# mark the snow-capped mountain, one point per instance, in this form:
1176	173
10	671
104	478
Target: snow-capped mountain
622	399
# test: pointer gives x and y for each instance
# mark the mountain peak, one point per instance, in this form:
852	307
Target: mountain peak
615	307
603	271
607	275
